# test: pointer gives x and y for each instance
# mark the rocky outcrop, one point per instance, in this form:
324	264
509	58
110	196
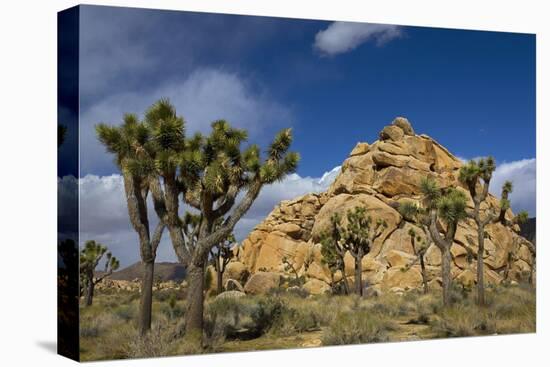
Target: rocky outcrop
378	176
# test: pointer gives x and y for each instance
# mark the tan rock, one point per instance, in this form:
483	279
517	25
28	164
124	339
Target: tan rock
344	202
404	124
290	229
396	277
399	259
315	286
235	270
233	285
262	282
360	149
272	251
433	255
393	181
391	132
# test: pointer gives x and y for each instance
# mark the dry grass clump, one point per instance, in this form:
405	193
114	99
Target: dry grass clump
357	327
510	309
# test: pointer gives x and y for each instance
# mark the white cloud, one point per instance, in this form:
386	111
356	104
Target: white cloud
206	95
342	37
523	174
104	216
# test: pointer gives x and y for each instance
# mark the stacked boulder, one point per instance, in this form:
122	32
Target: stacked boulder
378	176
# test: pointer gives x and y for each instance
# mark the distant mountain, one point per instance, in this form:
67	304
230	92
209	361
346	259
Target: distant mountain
529	230
165	271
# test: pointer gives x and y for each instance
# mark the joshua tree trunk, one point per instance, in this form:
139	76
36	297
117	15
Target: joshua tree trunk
146	300
358	272
424	275
89	291
346	283
446	274
195	296
480	266
220	281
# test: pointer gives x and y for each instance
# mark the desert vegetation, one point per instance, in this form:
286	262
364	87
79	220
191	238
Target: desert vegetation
284	319
355	264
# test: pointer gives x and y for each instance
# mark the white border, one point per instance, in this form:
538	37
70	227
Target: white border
28	209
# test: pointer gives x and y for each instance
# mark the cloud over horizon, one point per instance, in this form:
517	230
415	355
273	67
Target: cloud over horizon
341	37
104	216
523	175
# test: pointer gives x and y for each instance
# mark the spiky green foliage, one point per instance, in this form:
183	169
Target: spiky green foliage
360	231
452	206
522	217
430	191
130	143
409	210
355	233
332	250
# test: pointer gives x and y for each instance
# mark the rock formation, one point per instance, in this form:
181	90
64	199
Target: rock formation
379	176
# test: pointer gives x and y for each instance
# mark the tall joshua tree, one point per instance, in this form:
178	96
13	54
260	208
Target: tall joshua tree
90	257
208	173
357	237
449	207
221	254
476	175
131	146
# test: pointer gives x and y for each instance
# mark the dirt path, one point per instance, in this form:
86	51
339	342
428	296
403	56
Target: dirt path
409	331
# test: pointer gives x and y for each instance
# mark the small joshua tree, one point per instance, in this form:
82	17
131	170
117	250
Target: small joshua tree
412	212
333	253
420	247
449	206
357	237
90	257
221	254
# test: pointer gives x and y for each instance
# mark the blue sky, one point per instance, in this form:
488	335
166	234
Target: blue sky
334	83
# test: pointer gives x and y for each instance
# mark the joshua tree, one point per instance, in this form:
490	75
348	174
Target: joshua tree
333	252
357	237
130	144
90	256
412	212
476	175
220	255
471	174
420	247
449	206
208	173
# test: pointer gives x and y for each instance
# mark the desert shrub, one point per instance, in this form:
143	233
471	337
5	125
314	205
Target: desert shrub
93	326
125	312
164	295
357	327
158	342
295	320
225	316
297	292
464	320
268	312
